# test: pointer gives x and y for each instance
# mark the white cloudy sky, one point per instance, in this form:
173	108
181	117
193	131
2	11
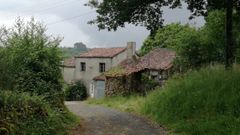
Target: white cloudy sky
68	18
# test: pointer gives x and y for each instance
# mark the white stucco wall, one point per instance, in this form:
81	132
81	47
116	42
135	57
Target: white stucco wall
119	58
92	66
68	74
92	69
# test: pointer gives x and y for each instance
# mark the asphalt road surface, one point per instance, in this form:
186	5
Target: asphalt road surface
99	120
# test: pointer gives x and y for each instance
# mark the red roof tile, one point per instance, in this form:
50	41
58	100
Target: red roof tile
157	59
102	52
69	62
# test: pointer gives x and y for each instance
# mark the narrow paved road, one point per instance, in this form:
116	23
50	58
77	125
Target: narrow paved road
98	120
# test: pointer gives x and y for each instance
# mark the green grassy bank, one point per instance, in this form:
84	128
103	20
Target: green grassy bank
127	104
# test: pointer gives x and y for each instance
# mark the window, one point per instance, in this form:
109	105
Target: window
101	67
82	66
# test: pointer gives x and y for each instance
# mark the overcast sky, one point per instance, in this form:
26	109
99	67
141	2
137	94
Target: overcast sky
68	18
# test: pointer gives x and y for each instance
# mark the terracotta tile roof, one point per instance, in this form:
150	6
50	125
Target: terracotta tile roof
69	62
157	59
131	65
102	52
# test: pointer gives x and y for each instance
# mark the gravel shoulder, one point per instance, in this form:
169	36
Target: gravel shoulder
99	120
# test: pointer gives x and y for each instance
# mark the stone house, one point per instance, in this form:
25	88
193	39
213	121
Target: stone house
98	60
126	78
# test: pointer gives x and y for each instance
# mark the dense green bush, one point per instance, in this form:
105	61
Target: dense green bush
30	61
76	91
205	102
23	114
148	84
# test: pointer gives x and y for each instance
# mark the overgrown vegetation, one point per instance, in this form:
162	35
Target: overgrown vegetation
149	83
29	63
76	91
23	114
31	60
199	102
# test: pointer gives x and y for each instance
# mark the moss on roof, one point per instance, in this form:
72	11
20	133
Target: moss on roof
115	71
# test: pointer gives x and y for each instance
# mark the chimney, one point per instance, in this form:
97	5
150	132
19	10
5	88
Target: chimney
131	49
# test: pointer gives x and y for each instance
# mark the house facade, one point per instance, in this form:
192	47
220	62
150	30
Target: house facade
98	60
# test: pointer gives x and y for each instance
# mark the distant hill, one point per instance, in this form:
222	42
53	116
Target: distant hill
78	48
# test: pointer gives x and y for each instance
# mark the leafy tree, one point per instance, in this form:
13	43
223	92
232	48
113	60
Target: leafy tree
213	34
115	13
169	36
32	61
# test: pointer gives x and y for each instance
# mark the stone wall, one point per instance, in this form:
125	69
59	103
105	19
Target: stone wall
123	85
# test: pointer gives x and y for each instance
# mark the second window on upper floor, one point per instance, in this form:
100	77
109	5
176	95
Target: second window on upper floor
101	67
82	66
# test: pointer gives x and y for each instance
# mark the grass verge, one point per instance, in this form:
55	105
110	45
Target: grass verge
205	102
128	104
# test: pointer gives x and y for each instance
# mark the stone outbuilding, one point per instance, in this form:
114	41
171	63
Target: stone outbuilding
127	77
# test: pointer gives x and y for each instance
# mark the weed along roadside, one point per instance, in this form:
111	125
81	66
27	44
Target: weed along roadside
131	104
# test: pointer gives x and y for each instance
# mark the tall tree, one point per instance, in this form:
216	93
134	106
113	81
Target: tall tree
230	49
115	13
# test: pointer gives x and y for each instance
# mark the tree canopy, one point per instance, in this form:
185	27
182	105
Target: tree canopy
115	13
30	60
